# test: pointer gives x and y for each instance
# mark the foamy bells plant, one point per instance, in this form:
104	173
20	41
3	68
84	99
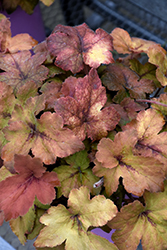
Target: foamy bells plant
83	139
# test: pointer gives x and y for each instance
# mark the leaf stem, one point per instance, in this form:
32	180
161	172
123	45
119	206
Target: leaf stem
150	101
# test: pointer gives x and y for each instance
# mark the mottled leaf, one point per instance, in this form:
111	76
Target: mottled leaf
5	32
126	82
75	46
17	193
82	110
128	110
117	160
147	223
22	69
46	136
151	143
51	90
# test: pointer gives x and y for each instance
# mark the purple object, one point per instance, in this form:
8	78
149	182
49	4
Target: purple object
21	22
103	234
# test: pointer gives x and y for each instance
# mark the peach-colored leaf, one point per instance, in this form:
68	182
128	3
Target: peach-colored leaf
82	110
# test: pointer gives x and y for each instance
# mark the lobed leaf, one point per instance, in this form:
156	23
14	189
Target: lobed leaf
157	56
67	224
128	110
147	223
46	136
146	71
17	192
82	109
75	46
151	143
14	44
124	44
119	78
76	174
22	69
23	225
117	160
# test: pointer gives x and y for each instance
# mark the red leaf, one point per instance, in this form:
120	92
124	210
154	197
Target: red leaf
17	193
82	109
74	46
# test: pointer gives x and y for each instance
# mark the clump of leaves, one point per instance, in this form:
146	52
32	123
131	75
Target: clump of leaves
83	139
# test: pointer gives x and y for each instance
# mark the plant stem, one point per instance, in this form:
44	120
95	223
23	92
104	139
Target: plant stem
150	101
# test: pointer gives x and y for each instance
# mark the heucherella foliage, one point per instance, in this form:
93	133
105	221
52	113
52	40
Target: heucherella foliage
83	138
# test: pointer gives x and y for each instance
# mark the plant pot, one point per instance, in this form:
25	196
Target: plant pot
21	22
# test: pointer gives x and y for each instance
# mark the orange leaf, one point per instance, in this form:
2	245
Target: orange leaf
124	44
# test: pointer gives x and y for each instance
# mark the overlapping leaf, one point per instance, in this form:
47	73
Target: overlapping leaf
22	69
51	91
26	5
17	193
68	224
128	110
150	142
23	225
5	32
76	174
75	46
81	109
157	56
14	44
146	71
147	223
116	159
160	103
124	44
28	225
126	82
46	136
7	103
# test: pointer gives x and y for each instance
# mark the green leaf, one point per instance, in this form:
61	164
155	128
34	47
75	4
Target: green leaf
23	225
146	71
4	173
157	56
7	103
76	174
68	224
37	225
